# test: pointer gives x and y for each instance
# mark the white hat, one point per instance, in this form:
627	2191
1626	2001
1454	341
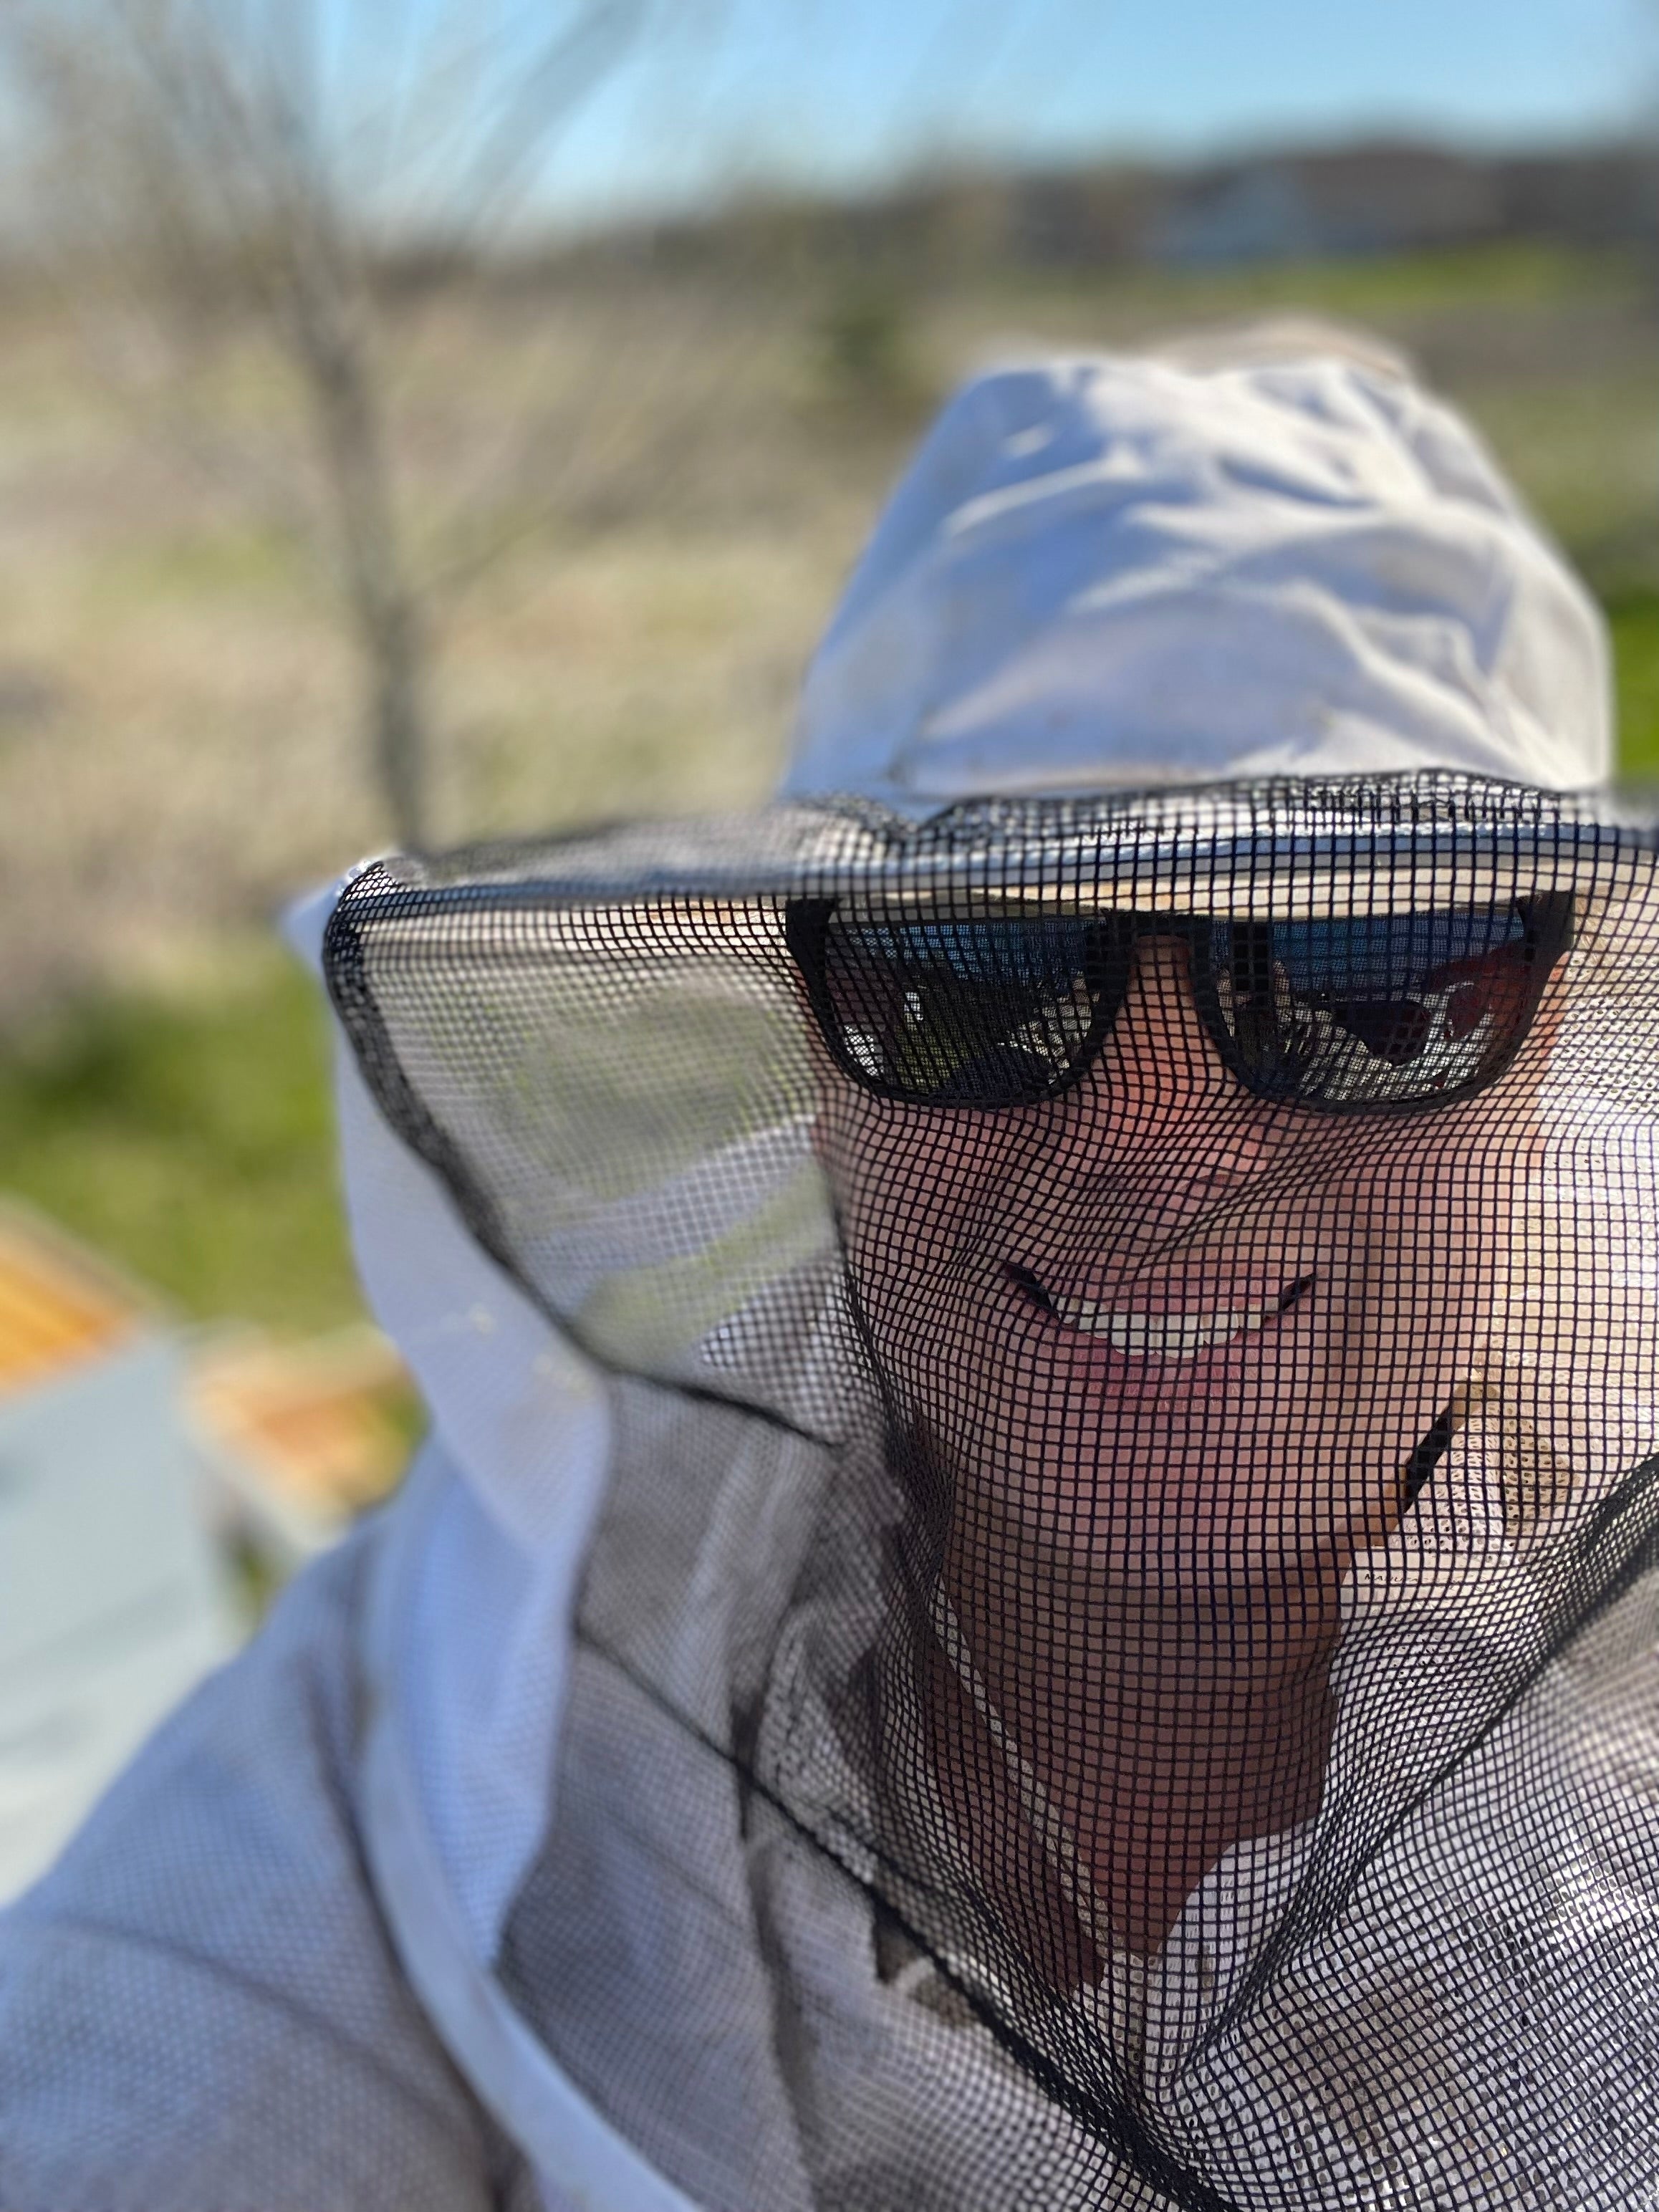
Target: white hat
1142	570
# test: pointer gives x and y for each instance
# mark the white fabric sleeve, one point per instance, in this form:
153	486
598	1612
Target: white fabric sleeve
199	2008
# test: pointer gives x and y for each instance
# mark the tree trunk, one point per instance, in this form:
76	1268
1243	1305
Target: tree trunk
392	638
385	613
385	609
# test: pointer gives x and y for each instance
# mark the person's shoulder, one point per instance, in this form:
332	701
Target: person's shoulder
199	2006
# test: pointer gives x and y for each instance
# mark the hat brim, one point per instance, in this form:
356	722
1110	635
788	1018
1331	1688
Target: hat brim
1359	846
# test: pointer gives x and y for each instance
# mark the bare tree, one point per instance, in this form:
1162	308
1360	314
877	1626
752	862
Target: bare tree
269	161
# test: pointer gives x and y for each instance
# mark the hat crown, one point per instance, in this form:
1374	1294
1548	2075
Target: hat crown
1133	571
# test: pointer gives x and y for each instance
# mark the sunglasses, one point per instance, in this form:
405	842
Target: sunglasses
1366	1014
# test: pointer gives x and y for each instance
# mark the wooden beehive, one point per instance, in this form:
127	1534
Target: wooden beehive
60	1307
305	1435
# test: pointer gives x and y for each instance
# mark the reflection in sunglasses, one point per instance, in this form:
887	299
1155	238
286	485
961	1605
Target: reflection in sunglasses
1357	1012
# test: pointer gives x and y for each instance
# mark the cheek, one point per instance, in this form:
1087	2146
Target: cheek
1426	1238
913	1186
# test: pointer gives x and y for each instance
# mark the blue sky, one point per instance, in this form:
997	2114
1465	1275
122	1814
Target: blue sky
837	93
839	90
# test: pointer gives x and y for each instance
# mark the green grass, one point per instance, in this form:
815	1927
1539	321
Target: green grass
188	1137
1517	275
204	566
1635	619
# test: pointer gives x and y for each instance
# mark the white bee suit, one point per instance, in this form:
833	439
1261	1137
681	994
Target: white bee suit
451	1890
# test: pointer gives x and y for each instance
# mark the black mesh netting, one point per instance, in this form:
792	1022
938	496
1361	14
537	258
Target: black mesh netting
1115	1668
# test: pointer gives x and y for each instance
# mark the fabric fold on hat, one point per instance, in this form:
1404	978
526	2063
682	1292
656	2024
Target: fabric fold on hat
1121	571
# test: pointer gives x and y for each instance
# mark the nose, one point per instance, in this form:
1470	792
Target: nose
1160	1091
1160	1055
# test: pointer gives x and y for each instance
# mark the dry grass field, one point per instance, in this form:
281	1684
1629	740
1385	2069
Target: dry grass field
644	492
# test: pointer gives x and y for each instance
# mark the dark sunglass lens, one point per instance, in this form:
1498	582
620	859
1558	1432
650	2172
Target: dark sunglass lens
1384	1009
971	1011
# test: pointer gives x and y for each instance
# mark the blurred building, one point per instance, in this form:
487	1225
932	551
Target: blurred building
1364	199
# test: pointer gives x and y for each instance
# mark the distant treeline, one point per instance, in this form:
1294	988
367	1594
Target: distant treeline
1370	199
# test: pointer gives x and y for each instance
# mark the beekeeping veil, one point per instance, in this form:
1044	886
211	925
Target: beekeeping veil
1036	1587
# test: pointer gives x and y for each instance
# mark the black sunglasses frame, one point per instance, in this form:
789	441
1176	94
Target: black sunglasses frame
1110	941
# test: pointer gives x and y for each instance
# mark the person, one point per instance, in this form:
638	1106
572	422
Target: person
1034	1580
1087	1318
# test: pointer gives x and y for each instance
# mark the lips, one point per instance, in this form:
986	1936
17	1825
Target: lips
1160	1336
